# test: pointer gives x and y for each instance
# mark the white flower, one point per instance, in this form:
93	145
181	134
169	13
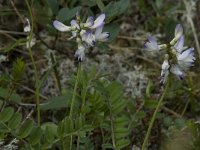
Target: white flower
164	71
186	59
177	71
151	44
80	52
60	26
27	27
99	21
101	36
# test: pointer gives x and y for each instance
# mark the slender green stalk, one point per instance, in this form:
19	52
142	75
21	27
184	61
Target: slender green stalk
34	65
73	98
154	116
83	100
56	72
112	127
74	92
113	134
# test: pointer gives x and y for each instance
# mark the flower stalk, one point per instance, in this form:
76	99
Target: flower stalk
154	116
73	99
37	86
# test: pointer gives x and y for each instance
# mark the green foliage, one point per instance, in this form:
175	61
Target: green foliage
6	114
15	120
113	29
6	94
114	9
18	70
66	14
103	118
57	102
25	129
100	4
11	122
15	44
118	122
53	4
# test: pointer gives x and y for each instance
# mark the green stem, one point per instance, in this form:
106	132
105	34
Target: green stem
73	98
34	65
154	117
83	100
112	127
74	92
113	134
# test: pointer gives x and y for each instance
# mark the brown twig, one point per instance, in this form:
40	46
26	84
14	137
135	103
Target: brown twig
17	12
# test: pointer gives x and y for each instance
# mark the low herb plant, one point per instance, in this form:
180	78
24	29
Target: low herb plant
91	112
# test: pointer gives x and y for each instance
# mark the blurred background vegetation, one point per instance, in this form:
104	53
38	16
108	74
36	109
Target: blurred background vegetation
119	69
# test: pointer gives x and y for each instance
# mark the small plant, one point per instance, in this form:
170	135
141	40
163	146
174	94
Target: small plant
73	75
177	60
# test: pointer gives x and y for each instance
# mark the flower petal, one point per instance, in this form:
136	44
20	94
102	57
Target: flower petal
151	44
186	59
178	31
99	30
80	52
27	27
164	71
60	26
99	21
89	38
101	36
177	71
179	45
74	24
89	22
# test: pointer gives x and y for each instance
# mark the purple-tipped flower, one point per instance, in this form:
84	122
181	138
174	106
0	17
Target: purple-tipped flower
175	69
89	22
179	45
86	33
74	25
178	31
89	38
151	44
101	36
178	59
99	21
80	52
165	70
60	26
186	59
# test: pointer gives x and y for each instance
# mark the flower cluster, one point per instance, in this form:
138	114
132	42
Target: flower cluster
86	33
178	58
